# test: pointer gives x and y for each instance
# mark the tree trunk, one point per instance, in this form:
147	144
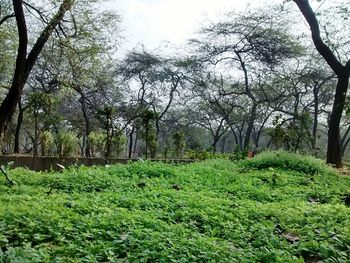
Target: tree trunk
131	142
223	144
87	125
147	139
215	143
9	104
109	135
315	122
24	64
334	152
36	134
250	127
342	71
18	127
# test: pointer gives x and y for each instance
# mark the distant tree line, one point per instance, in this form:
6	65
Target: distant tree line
247	82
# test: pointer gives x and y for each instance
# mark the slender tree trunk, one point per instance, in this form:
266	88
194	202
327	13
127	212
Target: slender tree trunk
147	124
131	142
109	136
36	134
215	143
345	140
223	145
87	125
345	146
250	127
18	126
136	141
315	123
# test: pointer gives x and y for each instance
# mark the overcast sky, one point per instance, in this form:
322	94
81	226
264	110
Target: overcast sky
152	22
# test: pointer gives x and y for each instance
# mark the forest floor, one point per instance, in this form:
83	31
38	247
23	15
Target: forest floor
277	207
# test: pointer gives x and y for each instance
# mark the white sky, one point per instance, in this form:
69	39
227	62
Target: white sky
152	22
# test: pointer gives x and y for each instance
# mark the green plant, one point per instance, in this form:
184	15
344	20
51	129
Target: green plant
67	144
97	143
179	143
209	211
46	141
288	161
5	171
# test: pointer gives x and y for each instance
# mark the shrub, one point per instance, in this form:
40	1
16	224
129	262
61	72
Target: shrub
289	161
47	142
97	143
68	144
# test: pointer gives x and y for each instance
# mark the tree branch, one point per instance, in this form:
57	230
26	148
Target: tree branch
322	48
5	18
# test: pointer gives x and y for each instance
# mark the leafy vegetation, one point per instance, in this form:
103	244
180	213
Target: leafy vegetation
211	211
288	161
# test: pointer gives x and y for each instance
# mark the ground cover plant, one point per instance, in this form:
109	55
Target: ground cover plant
278	207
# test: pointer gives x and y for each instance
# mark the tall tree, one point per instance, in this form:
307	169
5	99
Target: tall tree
342	71
25	62
249	43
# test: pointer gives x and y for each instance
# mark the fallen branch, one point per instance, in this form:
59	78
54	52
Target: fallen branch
12	183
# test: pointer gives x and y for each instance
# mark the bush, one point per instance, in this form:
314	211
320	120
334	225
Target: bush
68	144
289	161
47	142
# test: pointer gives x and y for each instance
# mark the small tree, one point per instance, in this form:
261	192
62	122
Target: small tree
179	143
46	141
149	135
42	108
67	144
97	142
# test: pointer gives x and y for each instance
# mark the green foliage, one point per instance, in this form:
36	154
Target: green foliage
152	212
238	155
201	155
206	155
5	169
43	106
292	135
67	144
179	143
148	132
97	142
47	141
288	161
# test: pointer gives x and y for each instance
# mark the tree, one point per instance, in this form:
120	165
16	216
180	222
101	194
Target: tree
247	46
25	62
342	71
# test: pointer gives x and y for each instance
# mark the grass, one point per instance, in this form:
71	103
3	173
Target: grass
212	211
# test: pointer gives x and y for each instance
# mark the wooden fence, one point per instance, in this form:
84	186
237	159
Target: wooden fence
55	163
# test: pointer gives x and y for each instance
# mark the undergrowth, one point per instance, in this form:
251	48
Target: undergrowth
290	210
288	161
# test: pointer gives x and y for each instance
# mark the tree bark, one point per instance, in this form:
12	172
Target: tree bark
9	104
87	125
131	142
18	126
250	127
334	151
315	122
